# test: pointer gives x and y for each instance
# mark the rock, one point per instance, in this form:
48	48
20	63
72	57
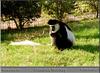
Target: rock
26	42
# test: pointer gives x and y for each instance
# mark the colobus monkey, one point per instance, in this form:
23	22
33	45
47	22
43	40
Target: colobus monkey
61	34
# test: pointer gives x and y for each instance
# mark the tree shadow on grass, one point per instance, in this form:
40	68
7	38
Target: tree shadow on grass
95	36
27	33
82	25
88	48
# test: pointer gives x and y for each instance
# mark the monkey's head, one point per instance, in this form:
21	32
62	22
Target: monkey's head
54	26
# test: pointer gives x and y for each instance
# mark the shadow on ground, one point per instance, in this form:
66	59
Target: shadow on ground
26	33
88	48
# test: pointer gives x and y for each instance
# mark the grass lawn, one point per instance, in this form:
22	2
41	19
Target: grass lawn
85	52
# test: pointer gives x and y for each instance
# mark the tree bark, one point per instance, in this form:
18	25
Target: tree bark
97	14
16	23
20	24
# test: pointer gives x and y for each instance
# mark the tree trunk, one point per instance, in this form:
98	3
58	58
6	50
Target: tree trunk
97	13
16	23
20	24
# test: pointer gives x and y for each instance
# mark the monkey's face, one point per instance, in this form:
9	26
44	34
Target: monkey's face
53	29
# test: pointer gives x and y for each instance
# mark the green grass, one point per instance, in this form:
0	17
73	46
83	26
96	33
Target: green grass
85	52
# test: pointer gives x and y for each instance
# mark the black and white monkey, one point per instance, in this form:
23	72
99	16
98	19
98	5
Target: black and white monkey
61	34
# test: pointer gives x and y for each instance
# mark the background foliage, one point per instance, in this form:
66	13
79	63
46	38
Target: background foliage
23	11
20	11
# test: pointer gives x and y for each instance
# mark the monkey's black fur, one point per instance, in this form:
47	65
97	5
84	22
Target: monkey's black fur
60	38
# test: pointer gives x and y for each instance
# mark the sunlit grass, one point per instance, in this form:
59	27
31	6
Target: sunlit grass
83	53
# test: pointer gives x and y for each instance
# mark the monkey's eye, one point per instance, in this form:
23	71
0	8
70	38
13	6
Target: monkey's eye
53	28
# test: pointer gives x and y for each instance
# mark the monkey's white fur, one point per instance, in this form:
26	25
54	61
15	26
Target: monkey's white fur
57	27
70	35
